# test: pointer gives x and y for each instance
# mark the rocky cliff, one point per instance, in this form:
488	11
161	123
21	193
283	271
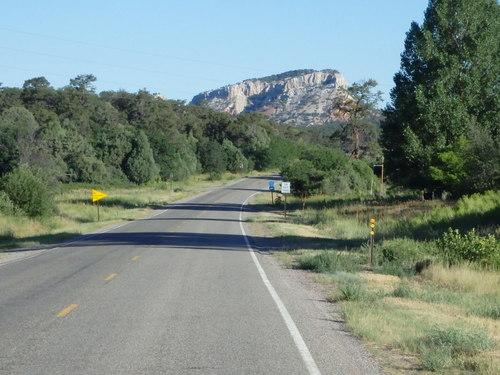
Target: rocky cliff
301	97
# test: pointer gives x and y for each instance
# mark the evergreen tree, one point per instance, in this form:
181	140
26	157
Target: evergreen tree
303	177
18	130
236	162
212	157
29	191
140	166
358	135
445	91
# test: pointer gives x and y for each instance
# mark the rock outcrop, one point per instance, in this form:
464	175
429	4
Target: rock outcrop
301	97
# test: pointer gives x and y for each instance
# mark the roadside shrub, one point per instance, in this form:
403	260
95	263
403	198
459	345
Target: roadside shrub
400	256
456	248
403	290
28	191
446	346
443	346
351	288
6	205
328	262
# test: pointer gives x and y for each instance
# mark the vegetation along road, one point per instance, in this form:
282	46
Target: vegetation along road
181	292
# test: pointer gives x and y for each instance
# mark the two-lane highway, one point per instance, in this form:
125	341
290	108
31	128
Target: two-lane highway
177	293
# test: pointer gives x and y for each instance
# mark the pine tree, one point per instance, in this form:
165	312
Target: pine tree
445	91
140	166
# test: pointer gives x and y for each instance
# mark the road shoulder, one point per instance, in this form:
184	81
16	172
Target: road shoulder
320	322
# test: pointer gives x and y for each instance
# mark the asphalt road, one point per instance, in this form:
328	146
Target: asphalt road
177	293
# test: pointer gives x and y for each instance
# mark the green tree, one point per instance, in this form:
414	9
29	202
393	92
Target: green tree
37	94
447	88
303	177
358	134
235	160
28	191
83	82
175	155
18	130
212	157
140	166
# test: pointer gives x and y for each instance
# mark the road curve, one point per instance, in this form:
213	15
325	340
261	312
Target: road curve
177	293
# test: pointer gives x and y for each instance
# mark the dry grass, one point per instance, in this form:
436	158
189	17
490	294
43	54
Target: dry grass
392	326
465	279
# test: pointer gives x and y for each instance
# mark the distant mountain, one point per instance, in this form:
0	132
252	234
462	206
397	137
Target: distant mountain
299	97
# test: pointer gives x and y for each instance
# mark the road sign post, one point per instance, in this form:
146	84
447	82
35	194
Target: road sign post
271	189
96	196
285	189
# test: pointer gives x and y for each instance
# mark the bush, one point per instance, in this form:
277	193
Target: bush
403	290
28	191
400	256
352	289
443	345
328	261
456	248
6	205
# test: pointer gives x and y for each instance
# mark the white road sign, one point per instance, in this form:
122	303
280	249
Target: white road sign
285	188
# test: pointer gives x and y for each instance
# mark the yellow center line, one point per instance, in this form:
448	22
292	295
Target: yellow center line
135	258
67	310
111	277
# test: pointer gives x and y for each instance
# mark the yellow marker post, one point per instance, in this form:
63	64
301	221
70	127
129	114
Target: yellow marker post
372	239
96	196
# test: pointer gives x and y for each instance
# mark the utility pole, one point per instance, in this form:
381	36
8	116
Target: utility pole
381	166
382	193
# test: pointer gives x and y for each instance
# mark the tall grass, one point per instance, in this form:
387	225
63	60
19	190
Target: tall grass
443	319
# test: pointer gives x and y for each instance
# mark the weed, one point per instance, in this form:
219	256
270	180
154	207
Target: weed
328	261
446	346
403	290
352	290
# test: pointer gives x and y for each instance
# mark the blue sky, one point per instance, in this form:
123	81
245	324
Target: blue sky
181	48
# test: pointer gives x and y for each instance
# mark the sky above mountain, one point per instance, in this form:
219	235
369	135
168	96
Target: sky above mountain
181	48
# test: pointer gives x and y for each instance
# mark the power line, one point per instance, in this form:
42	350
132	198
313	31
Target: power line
108	64
142	53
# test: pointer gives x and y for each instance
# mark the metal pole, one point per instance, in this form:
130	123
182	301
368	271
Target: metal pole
371	250
372	239
382	179
285	205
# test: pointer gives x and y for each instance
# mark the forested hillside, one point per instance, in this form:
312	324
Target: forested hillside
75	134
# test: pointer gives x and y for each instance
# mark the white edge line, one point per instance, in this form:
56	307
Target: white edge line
292	328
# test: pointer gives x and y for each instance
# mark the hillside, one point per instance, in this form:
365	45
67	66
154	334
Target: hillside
300	97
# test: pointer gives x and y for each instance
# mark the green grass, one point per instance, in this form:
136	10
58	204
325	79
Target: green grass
448	346
410	306
328	261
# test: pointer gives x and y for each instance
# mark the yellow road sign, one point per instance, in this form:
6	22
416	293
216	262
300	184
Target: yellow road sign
96	195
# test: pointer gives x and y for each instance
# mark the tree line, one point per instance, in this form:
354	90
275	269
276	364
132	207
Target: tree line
76	135
439	133
73	134
441	130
